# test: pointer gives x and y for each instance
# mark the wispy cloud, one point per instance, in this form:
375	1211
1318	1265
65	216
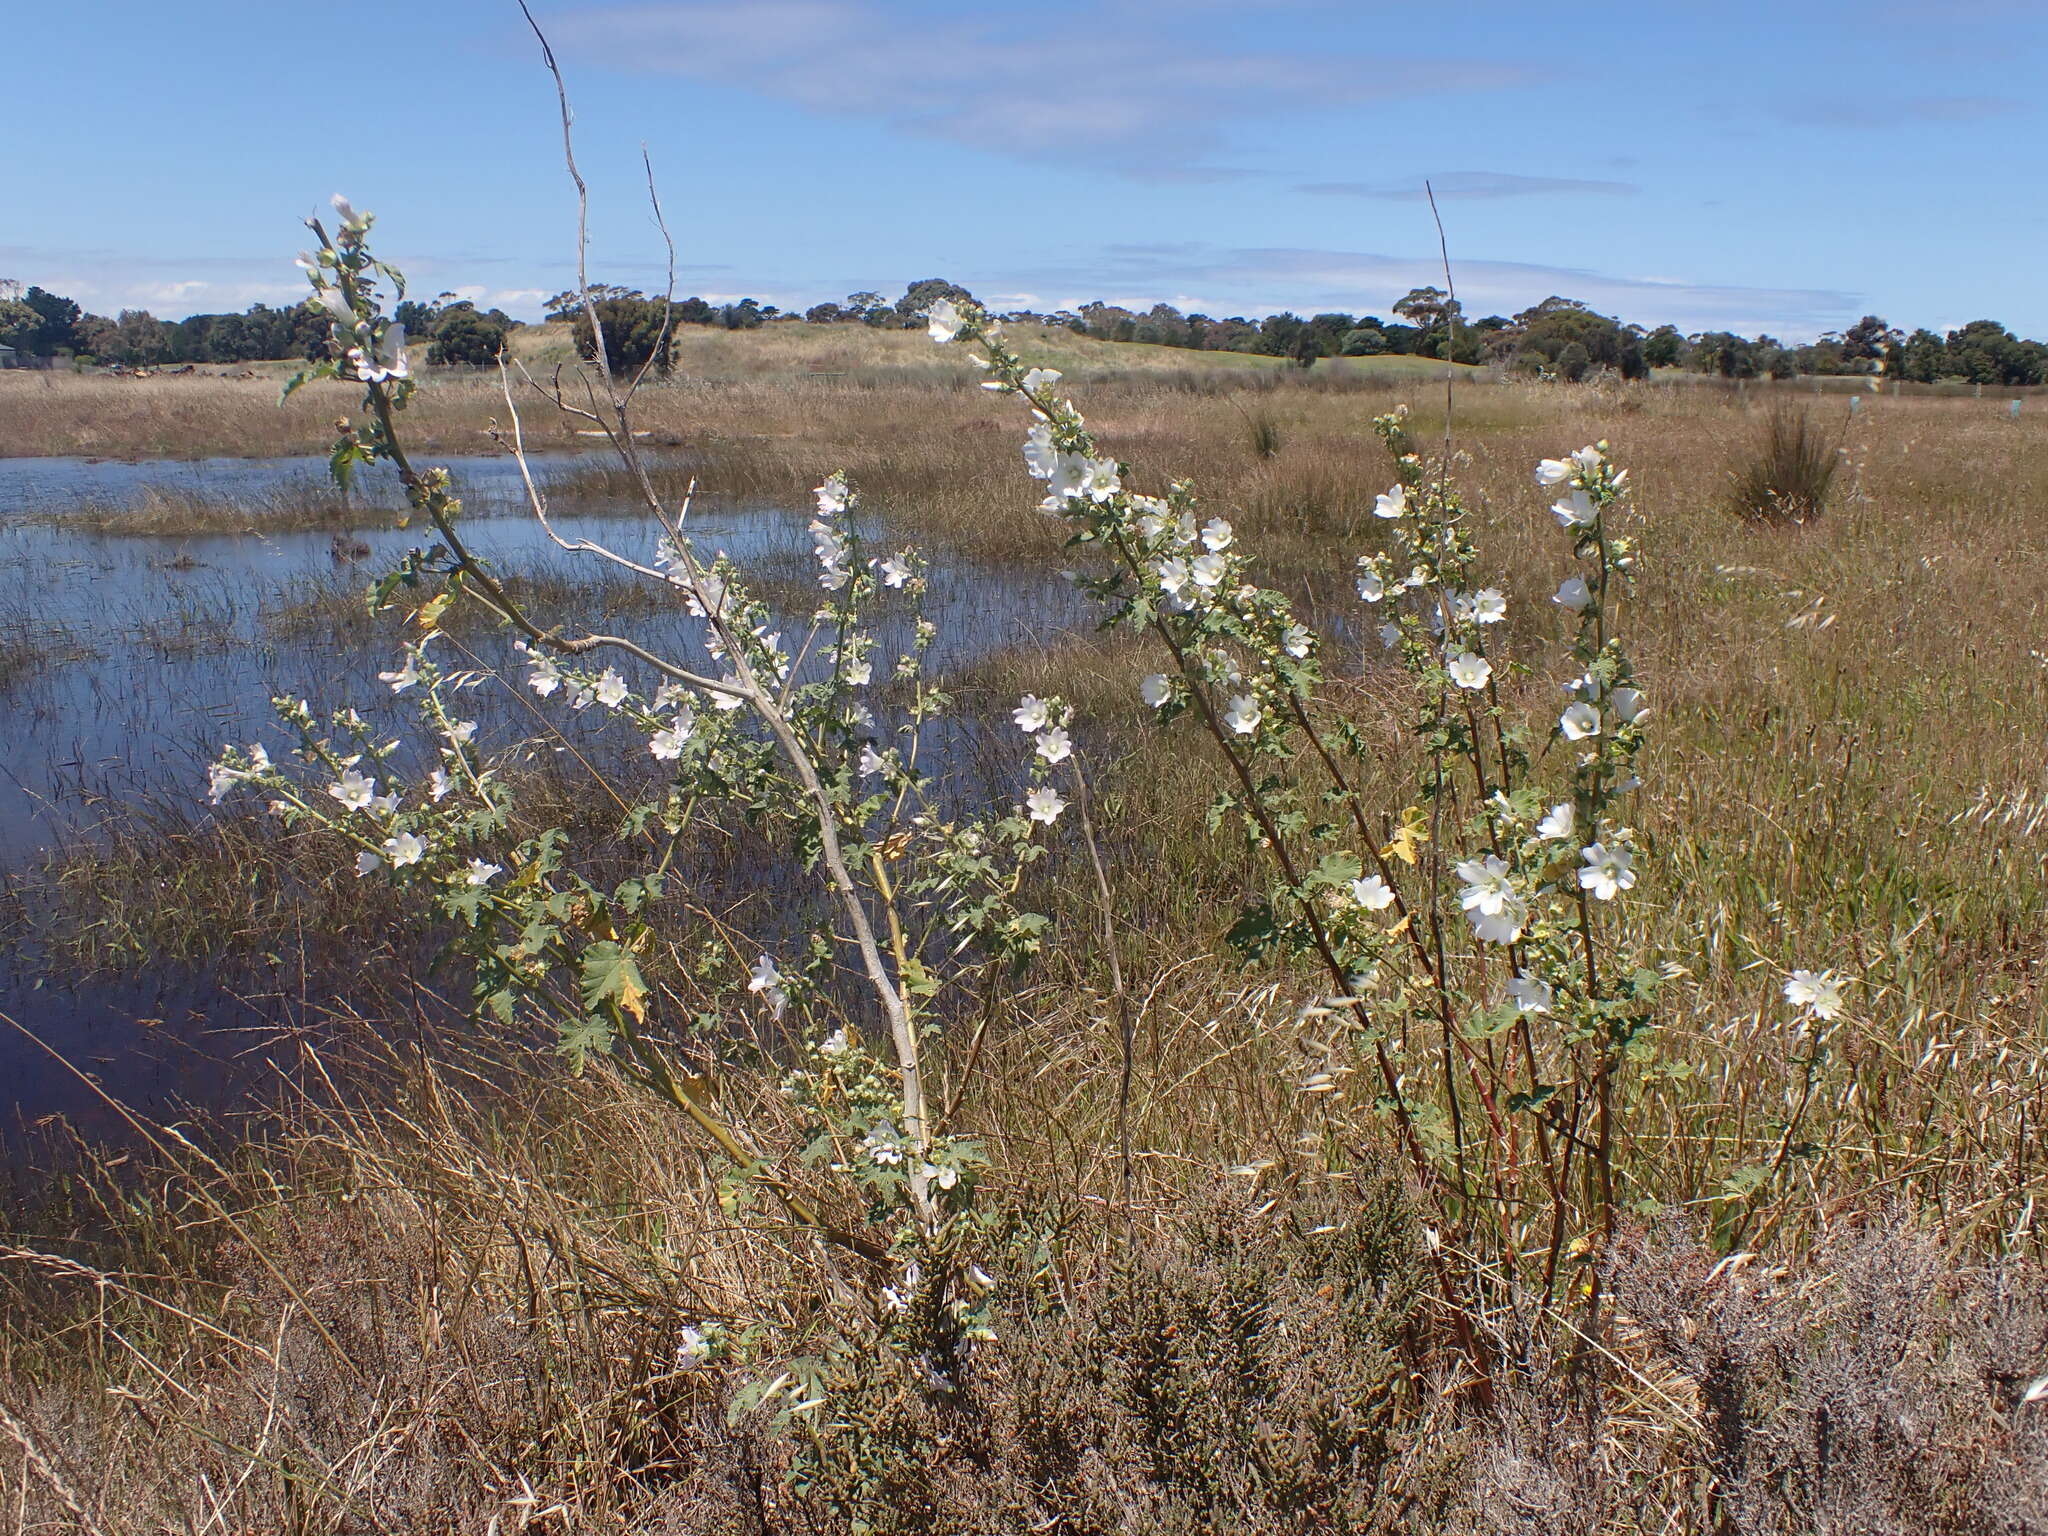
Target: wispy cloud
1259	280
1470	186
1120	93
1889	112
106	281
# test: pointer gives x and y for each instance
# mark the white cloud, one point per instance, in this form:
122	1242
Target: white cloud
1258	281
1122	93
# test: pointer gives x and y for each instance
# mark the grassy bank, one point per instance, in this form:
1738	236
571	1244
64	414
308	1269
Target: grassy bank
776	375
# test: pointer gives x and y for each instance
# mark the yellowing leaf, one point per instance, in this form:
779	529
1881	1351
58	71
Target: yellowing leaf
610	976
1409	838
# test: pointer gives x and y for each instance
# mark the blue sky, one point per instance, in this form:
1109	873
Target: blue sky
1780	166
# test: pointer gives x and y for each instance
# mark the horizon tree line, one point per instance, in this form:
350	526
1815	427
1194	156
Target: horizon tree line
1559	337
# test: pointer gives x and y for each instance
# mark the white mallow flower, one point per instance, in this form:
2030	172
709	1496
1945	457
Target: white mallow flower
1173	576
1208	570
856	674
703	594
1816	992
1044	804
667	743
353	790
545	677
1041	378
1579	721
1031	713
1559	824
943	319
766	979
439	785
462	732
386	361
610	690
834	1044
1100	480
403	848
1152	521
1469	671
480	873
1589	458
1608	871
1575	511
1243	714
219	780
1627	705
1553	471
1573	593
945	1178
693	1349
1502	927
367	863
895	571
1054	745
1217	534
405	676
1069	479
1041	458
1390	635
1155	690
871	761
1372	893
1489	606
1487	888
1496	911
833	495
729	697
1371	586
1391	504
1530	994
1296	641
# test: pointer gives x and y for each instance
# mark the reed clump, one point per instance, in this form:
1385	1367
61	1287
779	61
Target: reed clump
1789	473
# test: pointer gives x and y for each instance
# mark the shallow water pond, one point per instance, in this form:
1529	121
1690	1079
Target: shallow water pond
127	660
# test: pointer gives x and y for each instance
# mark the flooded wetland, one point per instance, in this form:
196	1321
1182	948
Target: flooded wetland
150	611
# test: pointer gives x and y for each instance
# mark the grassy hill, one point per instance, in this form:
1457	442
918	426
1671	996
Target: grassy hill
800	347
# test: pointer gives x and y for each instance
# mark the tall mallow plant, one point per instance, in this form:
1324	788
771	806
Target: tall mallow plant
814	739
1470	932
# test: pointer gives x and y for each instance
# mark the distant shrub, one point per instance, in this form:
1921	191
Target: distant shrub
1365	341
1789	474
464	336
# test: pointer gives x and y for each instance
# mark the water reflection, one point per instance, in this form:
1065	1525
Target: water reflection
138	656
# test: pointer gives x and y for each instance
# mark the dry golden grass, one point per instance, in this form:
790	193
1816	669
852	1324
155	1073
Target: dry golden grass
778	372
1851	719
